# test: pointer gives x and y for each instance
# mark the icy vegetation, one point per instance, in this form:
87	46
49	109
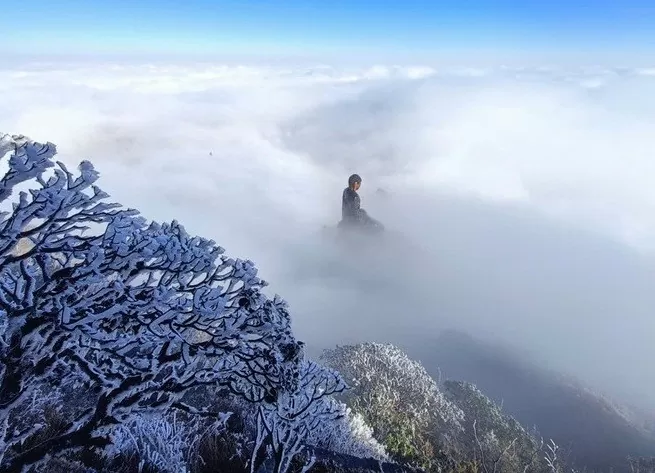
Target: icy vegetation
130	316
396	397
449	428
131	346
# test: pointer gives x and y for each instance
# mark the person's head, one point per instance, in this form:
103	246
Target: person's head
354	182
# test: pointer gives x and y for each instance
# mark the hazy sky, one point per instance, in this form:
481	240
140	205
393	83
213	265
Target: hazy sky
600	28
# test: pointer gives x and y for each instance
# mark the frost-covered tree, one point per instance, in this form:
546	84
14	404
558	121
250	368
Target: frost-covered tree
398	399
302	425
94	297
310	409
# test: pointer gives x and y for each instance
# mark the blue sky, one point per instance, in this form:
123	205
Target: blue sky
328	26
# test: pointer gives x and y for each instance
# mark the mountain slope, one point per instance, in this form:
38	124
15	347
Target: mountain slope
598	436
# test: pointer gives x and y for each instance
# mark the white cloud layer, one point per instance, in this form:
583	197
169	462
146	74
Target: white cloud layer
520	201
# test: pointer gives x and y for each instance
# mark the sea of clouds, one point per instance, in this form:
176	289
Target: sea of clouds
519	202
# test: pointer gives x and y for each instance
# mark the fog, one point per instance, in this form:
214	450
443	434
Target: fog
518	202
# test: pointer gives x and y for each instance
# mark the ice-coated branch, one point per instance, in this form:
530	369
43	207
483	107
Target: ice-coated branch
93	294
299	414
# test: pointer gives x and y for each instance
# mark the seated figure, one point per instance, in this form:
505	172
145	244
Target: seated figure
352	215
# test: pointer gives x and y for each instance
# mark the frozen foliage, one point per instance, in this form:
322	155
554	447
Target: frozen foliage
483	410
383	378
308	410
159	441
492	440
452	427
351	436
164	442
43	402
137	313
398	399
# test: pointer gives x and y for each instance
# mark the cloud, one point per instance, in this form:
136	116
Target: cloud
519	201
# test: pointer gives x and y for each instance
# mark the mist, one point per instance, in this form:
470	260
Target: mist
518	202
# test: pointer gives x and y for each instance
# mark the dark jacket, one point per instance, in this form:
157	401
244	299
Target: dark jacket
350	207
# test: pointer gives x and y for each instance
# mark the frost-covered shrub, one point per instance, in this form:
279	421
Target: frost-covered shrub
307	410
398	399
383	375
350	435
44	403
130	317
94	297
495	441
42	413
157	441
165	443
